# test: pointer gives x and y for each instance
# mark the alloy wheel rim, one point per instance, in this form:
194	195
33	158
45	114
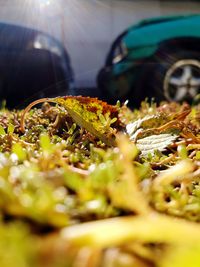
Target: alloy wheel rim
182	80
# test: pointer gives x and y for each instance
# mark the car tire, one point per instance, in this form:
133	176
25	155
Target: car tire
174	76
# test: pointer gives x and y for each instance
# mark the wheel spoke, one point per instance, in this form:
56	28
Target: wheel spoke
175	81
187	73
180	93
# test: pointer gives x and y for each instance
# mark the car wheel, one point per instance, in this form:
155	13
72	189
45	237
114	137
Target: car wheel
176	76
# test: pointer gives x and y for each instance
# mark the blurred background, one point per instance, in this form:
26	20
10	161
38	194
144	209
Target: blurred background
86	30
88	27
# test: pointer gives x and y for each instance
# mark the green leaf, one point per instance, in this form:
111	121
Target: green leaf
151	143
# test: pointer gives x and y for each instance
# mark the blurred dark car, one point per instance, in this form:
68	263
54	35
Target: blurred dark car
32	65
158	57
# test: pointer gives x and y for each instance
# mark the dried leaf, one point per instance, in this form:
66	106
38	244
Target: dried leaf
133	127
147	122
92	114
155	142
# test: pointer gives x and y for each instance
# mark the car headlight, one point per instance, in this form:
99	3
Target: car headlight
120	53
44	42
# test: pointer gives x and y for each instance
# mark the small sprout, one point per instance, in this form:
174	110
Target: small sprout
126	103
74	181
113	121
2	131
182	152
72	129
143	170
118	104
45	143
101	118
3	104
18	150
198	155
10	129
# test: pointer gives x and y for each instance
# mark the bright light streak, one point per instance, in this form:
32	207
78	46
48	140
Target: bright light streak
48	7
44	3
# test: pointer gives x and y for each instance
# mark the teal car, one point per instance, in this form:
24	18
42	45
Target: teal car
158	57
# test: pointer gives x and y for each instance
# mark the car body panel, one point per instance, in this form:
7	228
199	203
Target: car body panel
143	40
158	20
134	59
156	33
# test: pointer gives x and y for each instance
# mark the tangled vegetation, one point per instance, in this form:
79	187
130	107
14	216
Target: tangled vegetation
86	184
